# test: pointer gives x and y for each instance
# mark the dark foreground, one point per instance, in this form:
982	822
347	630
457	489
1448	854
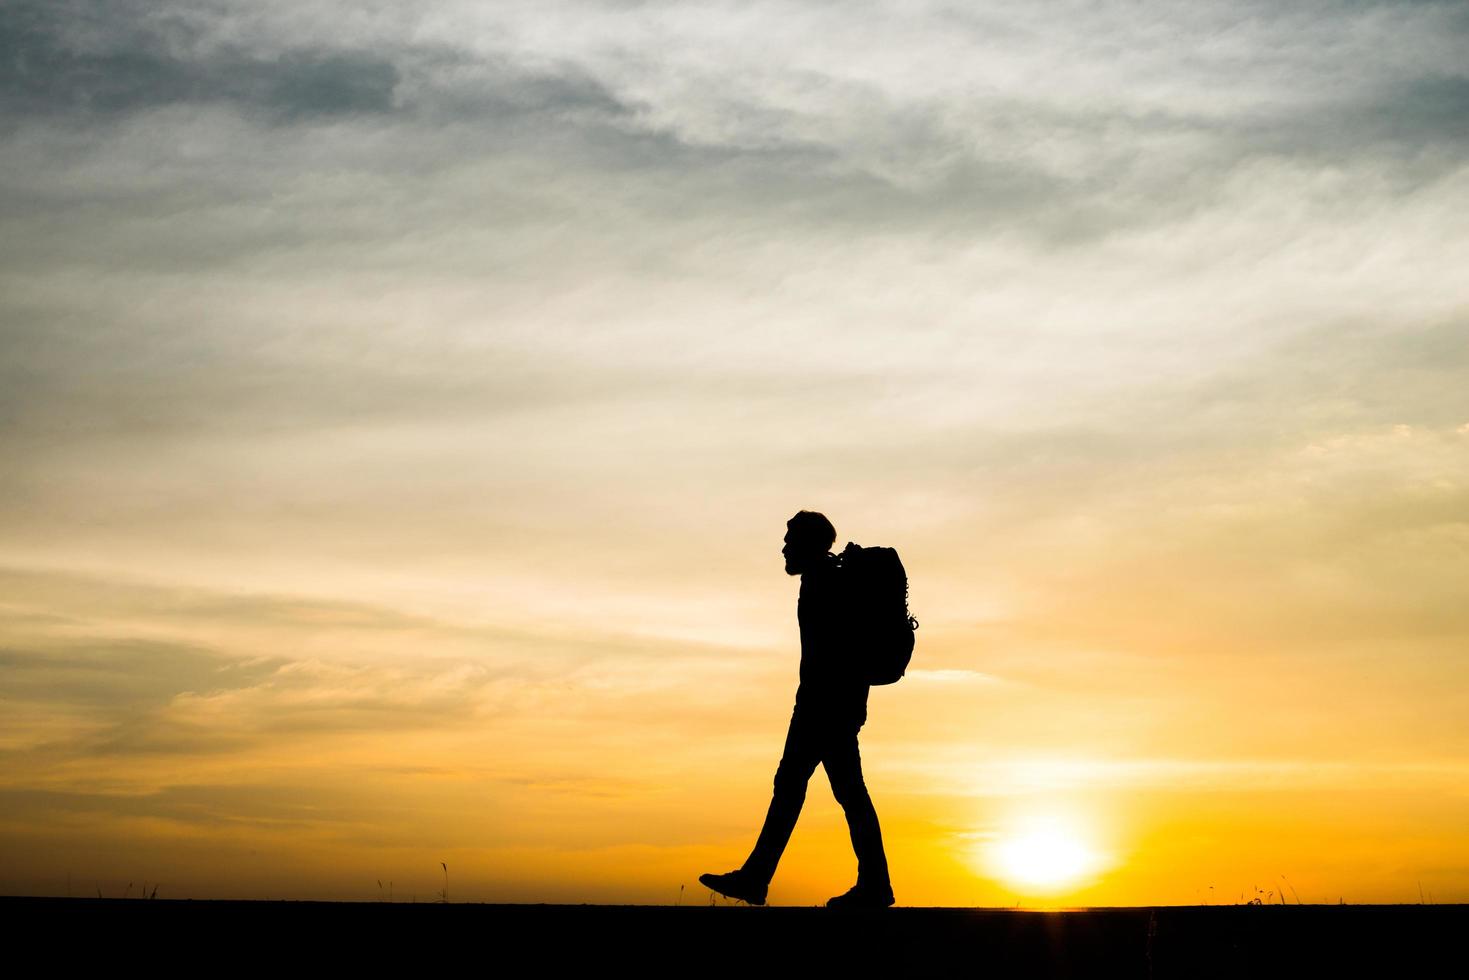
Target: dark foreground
1176	941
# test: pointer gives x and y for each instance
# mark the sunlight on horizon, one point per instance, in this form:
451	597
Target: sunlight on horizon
1043	854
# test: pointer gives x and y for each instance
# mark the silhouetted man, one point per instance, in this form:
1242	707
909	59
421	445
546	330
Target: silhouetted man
831	706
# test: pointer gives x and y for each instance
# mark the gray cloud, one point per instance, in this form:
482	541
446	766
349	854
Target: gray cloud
123	676
136	65
1427	110
1414	129
140	698
93	60
807	145
270	807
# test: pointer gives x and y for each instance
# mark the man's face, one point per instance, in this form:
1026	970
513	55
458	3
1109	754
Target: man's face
799	552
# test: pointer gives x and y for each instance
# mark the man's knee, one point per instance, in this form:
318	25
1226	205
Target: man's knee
789	782
848	788
843	763
791	779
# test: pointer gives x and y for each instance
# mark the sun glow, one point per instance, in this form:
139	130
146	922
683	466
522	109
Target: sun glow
1043	854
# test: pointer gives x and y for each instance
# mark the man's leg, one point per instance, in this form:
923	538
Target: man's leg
843	765
797	762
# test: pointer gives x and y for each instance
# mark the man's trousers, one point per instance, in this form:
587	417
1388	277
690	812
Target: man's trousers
827	735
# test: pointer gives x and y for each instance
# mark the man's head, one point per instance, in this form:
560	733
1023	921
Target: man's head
809	536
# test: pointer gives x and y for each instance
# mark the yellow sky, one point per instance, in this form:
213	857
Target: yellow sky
400	414
1194	699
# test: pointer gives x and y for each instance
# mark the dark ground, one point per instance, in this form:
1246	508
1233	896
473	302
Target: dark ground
205	937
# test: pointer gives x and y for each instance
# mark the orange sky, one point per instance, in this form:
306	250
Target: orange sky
400	413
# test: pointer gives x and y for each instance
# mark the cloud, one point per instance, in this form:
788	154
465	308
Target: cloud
121	675
1024	776
94	61
974	120
136	62
129	672
138	698
952	675
274	809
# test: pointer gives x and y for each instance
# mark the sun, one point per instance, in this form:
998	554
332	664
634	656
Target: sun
1043	854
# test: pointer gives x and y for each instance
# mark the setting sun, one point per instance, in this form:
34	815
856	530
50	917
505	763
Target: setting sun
1043	854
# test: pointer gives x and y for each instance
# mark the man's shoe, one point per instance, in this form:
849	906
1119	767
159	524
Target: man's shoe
736	884
862	897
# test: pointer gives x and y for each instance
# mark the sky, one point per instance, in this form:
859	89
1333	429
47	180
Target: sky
401	406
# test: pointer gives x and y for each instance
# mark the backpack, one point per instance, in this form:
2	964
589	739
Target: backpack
876	592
